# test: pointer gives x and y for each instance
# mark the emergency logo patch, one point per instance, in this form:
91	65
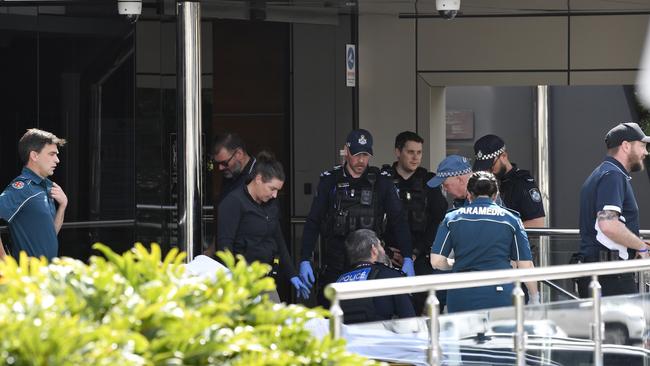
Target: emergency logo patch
18	185
362	140
535	195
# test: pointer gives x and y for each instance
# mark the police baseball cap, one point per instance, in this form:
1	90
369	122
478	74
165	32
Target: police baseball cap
359	141
486	150
451	166
629	131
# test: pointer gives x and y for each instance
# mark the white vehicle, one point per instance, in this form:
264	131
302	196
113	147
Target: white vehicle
542	328
624	319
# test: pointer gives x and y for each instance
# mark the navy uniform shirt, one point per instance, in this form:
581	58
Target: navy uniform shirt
28	208
519	192
607	188
325	200
483	236
375	308
435	206
252	229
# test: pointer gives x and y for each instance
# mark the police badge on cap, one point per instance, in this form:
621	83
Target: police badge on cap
359	141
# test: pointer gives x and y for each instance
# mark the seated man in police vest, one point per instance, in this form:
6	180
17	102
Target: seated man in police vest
369	262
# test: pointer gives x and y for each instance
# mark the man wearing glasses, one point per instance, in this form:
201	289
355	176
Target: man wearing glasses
230	157
517	188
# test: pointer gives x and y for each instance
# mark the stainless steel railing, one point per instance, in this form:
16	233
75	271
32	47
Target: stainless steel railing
92	224
336	292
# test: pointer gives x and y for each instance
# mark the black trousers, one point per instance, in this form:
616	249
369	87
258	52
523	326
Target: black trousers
618	284
325	277
422	266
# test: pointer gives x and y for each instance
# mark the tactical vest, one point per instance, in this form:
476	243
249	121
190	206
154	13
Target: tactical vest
414	199
355	207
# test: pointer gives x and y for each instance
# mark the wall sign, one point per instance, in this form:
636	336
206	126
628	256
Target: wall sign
350	65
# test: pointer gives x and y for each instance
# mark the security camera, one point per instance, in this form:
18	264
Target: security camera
129	7
448	9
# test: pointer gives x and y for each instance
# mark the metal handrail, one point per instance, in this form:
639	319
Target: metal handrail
396	286
92	224
532	232
144	206
554	286
336	292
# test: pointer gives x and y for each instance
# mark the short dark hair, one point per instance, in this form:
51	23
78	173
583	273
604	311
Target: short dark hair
35	140
268	167
229	141
358	245
482	183
405	137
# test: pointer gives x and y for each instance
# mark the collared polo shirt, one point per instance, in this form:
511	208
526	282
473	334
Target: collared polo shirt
28	208
607	188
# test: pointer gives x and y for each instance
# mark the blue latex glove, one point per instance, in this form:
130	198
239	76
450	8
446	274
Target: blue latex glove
407	267
306	274
301	289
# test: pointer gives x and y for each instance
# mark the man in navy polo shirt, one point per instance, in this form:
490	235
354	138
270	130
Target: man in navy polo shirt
609	215
28	203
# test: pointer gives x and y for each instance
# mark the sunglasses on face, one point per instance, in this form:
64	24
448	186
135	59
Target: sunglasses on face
224	163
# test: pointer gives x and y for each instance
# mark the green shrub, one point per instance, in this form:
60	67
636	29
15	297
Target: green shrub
140	309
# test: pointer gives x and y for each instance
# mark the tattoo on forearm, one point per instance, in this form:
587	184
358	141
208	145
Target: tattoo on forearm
607	215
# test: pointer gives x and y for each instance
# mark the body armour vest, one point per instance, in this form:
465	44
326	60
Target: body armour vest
356	206
413	195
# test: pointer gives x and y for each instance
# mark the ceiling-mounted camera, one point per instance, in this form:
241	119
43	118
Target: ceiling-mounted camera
448	9
130	8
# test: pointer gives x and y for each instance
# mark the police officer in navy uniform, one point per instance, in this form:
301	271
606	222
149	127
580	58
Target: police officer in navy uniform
351	197
609	215
517	187
425	206
483	236
32	204
369	262
231	158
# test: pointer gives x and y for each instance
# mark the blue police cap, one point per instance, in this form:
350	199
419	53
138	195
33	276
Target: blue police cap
359	141
451	166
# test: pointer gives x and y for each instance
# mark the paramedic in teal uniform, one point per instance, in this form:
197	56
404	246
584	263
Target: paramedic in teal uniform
483	236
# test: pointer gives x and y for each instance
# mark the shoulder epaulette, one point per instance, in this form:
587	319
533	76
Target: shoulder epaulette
331	171
520	173
383	266
388	169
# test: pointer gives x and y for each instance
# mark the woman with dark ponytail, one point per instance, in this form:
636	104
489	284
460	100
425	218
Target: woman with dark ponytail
483	236
248	220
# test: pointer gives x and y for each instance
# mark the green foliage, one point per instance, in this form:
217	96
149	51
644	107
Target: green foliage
141	309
